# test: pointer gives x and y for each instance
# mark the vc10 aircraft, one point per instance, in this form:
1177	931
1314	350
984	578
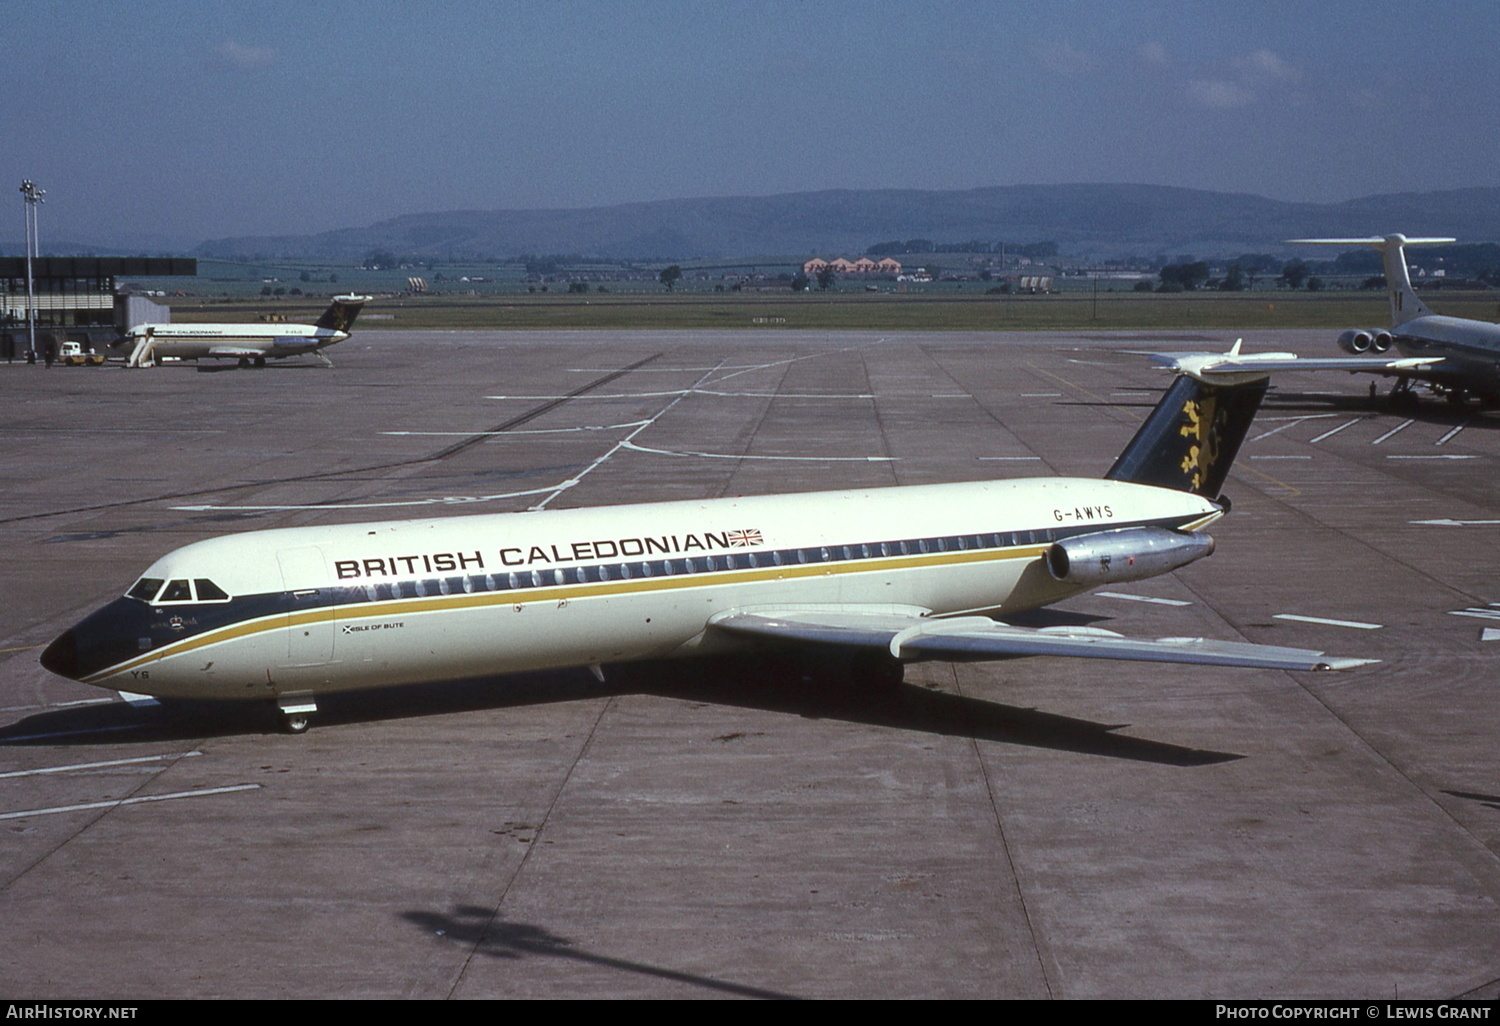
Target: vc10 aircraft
1454	356
250	344
888	575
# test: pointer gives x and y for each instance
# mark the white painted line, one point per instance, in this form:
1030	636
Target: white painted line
951	395
596	395
1041	395
1281	457
1330	434
446	500
1478	614
692	391
1455	431
1010	457
528	431
1142	598
1399	427
1299	418
1291	422
1332	623
97	765
129	801
741	456
1445	522
1441	456
1490	634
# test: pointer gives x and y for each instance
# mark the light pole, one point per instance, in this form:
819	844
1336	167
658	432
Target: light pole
33	196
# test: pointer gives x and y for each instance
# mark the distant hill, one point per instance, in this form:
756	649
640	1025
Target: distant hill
1085	220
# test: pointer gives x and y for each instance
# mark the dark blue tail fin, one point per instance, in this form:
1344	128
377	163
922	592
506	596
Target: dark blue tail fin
1191	438
341	312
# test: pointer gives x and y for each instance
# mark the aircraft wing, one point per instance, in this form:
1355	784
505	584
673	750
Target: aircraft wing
909	636
1235	367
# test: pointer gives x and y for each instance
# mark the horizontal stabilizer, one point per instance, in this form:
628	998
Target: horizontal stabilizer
911	637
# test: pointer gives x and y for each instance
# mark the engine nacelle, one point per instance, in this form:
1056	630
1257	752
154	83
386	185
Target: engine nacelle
1356	342
1129	554
1380	341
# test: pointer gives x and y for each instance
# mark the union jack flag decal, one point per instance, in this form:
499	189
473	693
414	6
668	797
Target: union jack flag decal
745	539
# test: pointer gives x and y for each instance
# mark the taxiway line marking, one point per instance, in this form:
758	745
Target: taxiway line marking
698	391
129	801
531	431
1359	624
744	456
1440	456
1446	522
1481	614
621	444
1142	598
1455	431
1330	434
97	765
1291	422
1399	427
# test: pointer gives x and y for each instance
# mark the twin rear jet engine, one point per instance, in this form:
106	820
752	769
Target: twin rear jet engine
1365	340
1129	554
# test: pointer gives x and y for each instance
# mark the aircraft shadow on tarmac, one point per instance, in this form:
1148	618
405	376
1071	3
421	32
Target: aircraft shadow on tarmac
476	928
815	688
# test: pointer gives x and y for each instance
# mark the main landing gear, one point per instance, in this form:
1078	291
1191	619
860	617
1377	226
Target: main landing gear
1404	395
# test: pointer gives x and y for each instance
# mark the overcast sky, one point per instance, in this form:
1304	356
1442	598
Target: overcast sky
192	120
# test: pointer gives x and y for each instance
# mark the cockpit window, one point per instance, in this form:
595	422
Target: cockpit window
176	591
208	591
145	589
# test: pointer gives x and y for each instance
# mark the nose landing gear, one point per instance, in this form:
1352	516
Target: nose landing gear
296	714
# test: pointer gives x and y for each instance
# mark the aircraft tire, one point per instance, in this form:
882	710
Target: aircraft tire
297	724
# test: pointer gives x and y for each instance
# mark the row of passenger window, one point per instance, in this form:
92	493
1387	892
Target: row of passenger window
606	572
156	591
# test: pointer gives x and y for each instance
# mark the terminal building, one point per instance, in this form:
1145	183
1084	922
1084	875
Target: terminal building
78	299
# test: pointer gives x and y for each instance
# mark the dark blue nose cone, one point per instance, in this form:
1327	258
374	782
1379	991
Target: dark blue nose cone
105	638
61	657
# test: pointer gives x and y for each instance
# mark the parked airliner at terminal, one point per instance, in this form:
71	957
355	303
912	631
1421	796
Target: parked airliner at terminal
887	575
250	344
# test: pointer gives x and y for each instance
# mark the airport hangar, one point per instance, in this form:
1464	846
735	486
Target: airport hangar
77	299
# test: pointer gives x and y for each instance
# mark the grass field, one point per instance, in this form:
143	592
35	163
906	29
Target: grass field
856	311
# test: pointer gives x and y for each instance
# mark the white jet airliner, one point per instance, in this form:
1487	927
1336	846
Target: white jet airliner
888	575
1454	356
250	344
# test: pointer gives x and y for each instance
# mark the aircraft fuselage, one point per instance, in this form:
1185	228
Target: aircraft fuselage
295	611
